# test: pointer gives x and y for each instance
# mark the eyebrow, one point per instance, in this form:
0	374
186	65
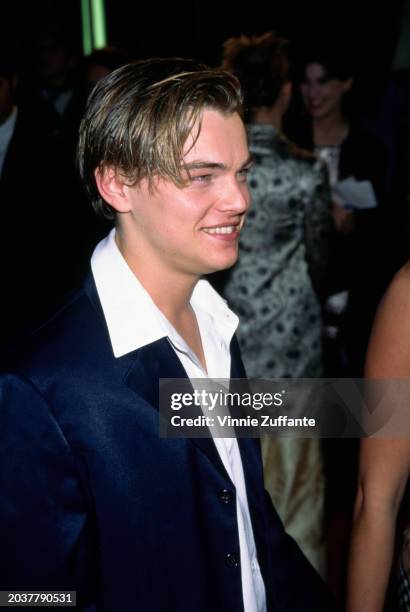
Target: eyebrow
201	165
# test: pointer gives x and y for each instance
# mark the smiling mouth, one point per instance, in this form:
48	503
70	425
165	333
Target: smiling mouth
225	229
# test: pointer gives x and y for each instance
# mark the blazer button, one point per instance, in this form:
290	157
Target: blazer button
225	496
232	560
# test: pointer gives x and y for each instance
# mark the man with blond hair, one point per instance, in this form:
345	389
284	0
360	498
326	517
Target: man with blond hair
93	500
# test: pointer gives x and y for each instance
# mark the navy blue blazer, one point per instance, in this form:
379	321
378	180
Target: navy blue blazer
93	500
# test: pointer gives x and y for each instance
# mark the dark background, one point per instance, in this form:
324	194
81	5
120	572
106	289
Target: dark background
197	28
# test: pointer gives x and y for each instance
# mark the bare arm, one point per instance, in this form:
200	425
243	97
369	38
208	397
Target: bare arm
384	462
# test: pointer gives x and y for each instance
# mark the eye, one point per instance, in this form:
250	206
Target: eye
202	178
243	174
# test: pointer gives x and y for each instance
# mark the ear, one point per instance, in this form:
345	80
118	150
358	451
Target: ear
112	189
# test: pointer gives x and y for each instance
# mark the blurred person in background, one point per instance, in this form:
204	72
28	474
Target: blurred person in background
32	236
282	253
89	70
51	65
353	284
355	280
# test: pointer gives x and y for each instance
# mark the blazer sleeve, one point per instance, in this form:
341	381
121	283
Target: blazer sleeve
43	526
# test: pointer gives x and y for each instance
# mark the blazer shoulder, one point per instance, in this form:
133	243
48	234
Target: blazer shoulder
66	342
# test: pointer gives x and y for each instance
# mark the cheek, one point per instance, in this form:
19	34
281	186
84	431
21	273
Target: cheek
177	220
196	205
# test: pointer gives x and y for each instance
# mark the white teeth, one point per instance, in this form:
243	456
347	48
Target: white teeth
229	229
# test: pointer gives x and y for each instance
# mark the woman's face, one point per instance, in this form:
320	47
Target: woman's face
322	96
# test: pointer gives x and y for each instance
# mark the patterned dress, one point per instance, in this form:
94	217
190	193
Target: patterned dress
281	258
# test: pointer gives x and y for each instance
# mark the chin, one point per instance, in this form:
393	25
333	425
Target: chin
222	265
321	112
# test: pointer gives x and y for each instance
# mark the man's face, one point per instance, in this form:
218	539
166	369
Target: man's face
194	230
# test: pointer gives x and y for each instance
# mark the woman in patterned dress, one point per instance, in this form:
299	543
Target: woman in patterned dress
281	260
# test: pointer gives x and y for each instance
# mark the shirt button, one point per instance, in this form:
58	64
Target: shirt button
225	496
232	560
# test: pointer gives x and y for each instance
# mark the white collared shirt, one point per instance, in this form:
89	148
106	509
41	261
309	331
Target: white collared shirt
6	133
133	321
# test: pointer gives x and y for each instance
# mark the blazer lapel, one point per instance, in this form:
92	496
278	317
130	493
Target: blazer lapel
146	366
237	367
251	457
153	362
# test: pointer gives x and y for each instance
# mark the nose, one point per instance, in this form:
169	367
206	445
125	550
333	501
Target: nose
314	91
309	90
235	197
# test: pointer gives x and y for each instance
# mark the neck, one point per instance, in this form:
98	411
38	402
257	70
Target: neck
169	289
270	115
330	130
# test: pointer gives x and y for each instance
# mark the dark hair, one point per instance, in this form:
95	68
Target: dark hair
261	65
139	117
336	60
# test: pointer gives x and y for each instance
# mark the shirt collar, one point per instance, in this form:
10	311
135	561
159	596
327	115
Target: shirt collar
132	318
